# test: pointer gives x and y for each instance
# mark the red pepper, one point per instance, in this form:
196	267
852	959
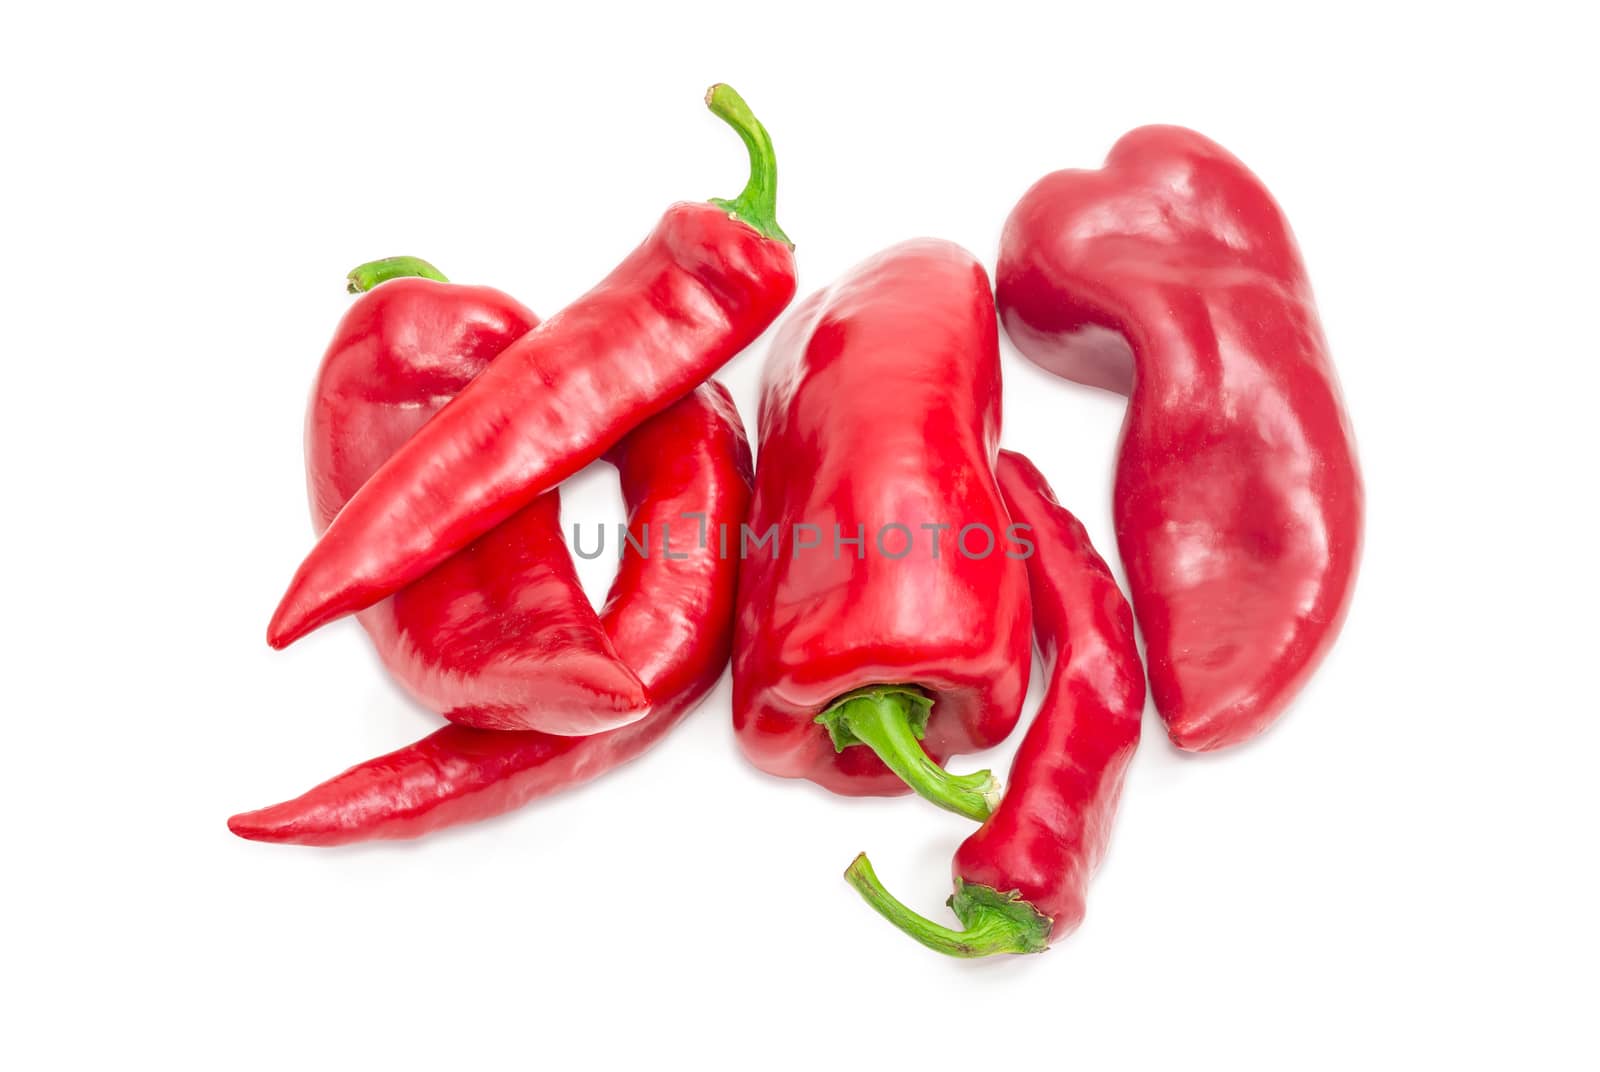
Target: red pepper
880	416
1171	275
501	635
700	289
669	617
1022	877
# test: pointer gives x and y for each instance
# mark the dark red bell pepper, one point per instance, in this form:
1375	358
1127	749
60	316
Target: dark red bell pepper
500	635
669	618
704	284
880	416
1021	879
1171	275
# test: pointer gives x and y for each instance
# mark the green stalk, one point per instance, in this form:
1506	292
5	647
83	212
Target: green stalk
366	276
994	922
891	720
757	203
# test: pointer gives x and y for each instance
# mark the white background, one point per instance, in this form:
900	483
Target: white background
1400	874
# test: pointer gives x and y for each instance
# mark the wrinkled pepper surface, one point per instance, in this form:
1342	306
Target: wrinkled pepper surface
1170	275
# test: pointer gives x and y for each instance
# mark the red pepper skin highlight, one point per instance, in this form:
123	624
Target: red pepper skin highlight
1172	276
670	619
880	406
501	635
699	289
1022	878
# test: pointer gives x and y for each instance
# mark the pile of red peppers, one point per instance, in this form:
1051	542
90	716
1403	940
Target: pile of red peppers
882	573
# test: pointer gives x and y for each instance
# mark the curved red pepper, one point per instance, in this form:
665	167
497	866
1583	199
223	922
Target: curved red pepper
501	635
1021	879
670	618
707	281
1171	275
880	407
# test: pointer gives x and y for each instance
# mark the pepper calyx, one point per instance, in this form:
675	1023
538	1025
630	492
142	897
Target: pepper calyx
994	922
918	706
892	720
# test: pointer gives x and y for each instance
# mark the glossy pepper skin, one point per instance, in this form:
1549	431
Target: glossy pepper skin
704	284
669	618
880	406
1022	878
1171	275
500	635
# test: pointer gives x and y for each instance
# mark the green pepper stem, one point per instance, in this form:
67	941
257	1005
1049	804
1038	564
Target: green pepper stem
890	720
995	922
366	276
757	203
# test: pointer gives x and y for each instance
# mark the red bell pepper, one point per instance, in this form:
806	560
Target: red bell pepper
668	616
880	416
1021	879
501	635
1171	275
706	282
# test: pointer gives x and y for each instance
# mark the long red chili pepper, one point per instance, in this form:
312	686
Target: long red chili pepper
707	281
1171	275
1021	879
686	479
880	416
501	635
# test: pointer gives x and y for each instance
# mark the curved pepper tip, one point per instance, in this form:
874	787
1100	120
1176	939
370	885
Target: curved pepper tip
292	822
289	622
279	633
253	826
